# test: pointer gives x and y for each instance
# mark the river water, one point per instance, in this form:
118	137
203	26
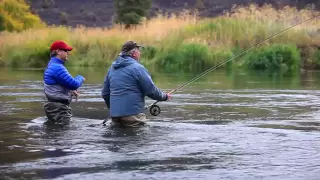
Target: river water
224	126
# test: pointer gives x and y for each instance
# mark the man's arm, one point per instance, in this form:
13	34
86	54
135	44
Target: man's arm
106	91
64	78
148	86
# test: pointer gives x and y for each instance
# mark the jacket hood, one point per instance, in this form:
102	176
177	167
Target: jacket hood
123	61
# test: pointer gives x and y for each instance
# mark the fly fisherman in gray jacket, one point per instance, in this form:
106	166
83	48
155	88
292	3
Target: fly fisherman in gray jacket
126	85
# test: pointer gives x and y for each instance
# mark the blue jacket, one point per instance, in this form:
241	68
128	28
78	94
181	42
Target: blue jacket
126	85
58	82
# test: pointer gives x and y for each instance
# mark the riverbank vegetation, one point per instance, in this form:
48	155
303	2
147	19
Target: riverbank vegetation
15	15
182	42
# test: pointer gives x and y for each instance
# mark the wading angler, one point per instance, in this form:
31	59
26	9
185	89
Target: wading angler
125	86
59	85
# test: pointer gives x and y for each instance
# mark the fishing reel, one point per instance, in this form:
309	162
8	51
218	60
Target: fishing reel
155	110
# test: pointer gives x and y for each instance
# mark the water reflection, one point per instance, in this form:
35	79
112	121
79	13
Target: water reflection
225	126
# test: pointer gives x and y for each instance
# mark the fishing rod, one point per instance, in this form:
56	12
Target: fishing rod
155	109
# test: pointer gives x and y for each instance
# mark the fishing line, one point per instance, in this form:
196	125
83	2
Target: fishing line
155	109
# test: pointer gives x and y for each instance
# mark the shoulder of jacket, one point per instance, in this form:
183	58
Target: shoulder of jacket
138	66
58	68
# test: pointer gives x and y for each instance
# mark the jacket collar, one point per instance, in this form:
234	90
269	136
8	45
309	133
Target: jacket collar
126	56
57	60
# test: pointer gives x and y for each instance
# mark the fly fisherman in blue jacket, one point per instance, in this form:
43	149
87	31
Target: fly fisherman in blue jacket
125	87
59	85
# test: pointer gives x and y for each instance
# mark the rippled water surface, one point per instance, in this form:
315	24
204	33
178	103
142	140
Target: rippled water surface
224	126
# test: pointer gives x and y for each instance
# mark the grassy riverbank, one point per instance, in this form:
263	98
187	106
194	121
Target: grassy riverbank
182	42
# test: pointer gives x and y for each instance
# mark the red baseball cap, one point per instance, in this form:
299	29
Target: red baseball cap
60	45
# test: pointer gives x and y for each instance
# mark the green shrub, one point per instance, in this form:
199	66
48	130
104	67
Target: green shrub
149	52
274	57
15	15
29	57
192	57
316	57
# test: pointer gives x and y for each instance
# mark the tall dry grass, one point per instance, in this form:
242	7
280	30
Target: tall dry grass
92	46
184	36
306	33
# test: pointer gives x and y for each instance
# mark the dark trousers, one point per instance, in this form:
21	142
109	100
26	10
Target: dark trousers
57	113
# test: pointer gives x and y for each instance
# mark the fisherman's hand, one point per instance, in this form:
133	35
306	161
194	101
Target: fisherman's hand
169	97
76	94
